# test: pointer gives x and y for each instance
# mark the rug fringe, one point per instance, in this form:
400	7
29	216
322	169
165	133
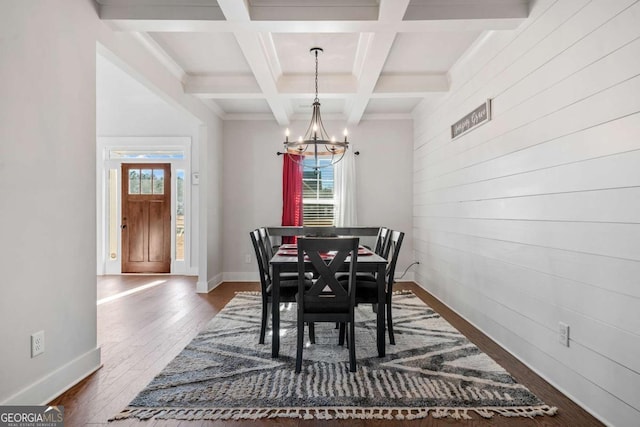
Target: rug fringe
329	413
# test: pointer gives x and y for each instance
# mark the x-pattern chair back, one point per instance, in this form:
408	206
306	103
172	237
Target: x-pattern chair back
326	272
327	300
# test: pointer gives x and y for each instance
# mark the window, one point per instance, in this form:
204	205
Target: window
317	194
146	154
146	181
180	215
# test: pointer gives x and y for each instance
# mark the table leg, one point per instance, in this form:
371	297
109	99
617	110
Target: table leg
381	311
275	312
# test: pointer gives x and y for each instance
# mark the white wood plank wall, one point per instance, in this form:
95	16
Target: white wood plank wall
534	218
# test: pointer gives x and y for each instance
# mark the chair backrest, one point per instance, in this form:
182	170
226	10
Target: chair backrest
327	291
263	260
382	242
395	243
266	241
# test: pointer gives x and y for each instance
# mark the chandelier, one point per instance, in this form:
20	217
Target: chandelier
316	141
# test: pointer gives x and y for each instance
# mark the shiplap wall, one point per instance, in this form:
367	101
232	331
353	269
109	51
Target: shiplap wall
534	218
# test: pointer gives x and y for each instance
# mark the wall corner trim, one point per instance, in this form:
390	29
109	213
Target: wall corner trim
57	381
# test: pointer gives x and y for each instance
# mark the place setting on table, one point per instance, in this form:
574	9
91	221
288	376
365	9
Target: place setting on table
291	249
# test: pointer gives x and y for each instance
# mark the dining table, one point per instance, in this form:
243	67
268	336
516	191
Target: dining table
285	259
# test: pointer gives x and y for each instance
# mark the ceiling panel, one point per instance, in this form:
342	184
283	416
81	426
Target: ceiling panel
204	53
427	52
392	105
293	52
246	106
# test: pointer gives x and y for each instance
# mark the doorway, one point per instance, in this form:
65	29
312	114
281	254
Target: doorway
146	218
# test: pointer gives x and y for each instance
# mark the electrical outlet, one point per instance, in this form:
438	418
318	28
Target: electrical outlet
247	258
563	334
37	343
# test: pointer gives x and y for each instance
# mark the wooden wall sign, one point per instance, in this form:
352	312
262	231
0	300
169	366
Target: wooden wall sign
479	116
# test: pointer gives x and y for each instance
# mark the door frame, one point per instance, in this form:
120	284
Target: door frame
106	264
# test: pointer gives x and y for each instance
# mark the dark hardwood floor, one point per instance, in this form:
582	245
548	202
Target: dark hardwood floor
145	320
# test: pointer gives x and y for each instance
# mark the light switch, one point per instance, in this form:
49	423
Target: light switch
195	178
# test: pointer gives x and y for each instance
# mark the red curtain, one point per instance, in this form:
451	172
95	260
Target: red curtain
291	193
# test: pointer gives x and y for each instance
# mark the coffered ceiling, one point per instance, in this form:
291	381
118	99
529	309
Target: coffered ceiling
250	58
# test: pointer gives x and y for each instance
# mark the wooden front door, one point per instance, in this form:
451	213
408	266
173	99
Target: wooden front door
146	218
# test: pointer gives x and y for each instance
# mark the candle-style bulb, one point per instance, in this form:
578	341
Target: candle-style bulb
286	134
346	133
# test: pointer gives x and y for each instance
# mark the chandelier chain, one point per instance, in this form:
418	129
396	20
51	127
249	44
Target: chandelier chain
316	100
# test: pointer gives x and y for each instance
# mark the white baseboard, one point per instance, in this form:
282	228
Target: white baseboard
211	284
57	382
241	277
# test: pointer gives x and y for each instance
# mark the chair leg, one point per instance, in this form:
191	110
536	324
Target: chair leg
263	323
300	343
392	339
312	333
352	346
341	331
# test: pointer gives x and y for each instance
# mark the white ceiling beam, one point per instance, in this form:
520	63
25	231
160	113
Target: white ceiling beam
269	47
303	84
213	106
253	47
162	56
223	86
376	49
313	13
229	86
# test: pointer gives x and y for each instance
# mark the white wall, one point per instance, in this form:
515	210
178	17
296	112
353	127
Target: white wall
533	218
125	107
252	175
48	186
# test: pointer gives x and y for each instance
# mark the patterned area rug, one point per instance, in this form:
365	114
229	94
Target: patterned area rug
433	369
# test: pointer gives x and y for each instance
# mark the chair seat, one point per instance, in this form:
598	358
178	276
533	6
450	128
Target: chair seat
288	289
359	276
366	291
330	305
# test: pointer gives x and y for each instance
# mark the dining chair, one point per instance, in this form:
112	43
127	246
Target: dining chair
288	288
366	287
327	299
382	242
